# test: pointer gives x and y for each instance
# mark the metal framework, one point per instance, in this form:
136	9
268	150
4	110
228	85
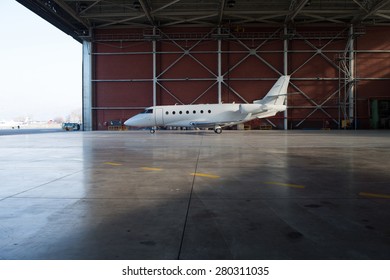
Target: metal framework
323	53
341	59
78	17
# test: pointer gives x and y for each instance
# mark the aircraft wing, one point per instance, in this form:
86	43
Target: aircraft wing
214	124
204	124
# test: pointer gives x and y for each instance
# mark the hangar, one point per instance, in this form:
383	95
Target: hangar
143	53
295	194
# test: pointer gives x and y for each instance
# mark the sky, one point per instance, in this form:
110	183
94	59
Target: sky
40	67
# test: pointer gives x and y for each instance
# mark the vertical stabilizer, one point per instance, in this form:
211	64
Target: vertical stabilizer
277	94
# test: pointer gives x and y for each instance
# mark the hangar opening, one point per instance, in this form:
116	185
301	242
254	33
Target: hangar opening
138	54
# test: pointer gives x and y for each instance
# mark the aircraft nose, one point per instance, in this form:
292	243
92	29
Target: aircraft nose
139	120
129	122
135	121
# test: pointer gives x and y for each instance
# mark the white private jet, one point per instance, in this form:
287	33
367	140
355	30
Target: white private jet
11	124
214	116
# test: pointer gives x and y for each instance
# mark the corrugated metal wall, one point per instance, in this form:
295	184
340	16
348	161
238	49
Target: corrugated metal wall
187	71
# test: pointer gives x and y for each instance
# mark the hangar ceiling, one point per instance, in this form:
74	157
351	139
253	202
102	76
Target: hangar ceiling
76	18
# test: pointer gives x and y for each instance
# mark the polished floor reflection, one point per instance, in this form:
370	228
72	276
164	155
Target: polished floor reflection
195	195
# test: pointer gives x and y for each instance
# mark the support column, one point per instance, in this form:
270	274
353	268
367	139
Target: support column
220	77
351	78
154	42
285	71
87	86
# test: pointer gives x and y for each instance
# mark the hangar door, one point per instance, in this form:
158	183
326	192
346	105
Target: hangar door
334	71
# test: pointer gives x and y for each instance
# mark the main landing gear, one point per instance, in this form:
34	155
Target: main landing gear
218	129
152	130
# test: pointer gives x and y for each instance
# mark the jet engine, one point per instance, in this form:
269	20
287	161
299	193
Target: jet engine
252	108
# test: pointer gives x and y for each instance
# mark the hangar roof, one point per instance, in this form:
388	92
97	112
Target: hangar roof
76	17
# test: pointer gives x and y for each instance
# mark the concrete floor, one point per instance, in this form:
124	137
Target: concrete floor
195	195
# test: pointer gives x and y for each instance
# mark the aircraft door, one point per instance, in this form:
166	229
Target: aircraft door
159	117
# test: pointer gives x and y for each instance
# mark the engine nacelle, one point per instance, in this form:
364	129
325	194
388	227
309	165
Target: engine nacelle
278	108
252	108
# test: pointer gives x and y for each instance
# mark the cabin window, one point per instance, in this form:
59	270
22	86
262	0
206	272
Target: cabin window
180	112
173	112
194	112
166	113
201	111
209	111
187	112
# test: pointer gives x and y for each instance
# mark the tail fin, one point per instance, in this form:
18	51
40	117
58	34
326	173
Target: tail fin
277	94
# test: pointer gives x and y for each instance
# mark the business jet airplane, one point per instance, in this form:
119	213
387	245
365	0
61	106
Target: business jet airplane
214	116
13	124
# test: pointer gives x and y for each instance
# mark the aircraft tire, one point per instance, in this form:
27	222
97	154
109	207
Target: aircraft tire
218	130
152	131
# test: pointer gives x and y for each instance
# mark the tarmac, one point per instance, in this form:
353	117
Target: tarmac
261	195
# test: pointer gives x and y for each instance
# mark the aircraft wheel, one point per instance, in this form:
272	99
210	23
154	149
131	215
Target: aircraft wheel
152	130
218	130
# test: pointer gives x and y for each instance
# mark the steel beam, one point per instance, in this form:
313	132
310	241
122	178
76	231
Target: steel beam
87	86
220	76
369	11
351	77
296	9
221	10
285	72
146	9
154	42
71	12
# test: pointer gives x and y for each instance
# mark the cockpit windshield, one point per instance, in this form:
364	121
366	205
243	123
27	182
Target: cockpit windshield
148	111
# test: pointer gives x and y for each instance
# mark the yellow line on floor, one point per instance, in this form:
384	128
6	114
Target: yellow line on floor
285	185
113	163
206	175
151	168
374	195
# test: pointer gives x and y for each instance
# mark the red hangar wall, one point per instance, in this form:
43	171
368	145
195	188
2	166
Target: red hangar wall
336	73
